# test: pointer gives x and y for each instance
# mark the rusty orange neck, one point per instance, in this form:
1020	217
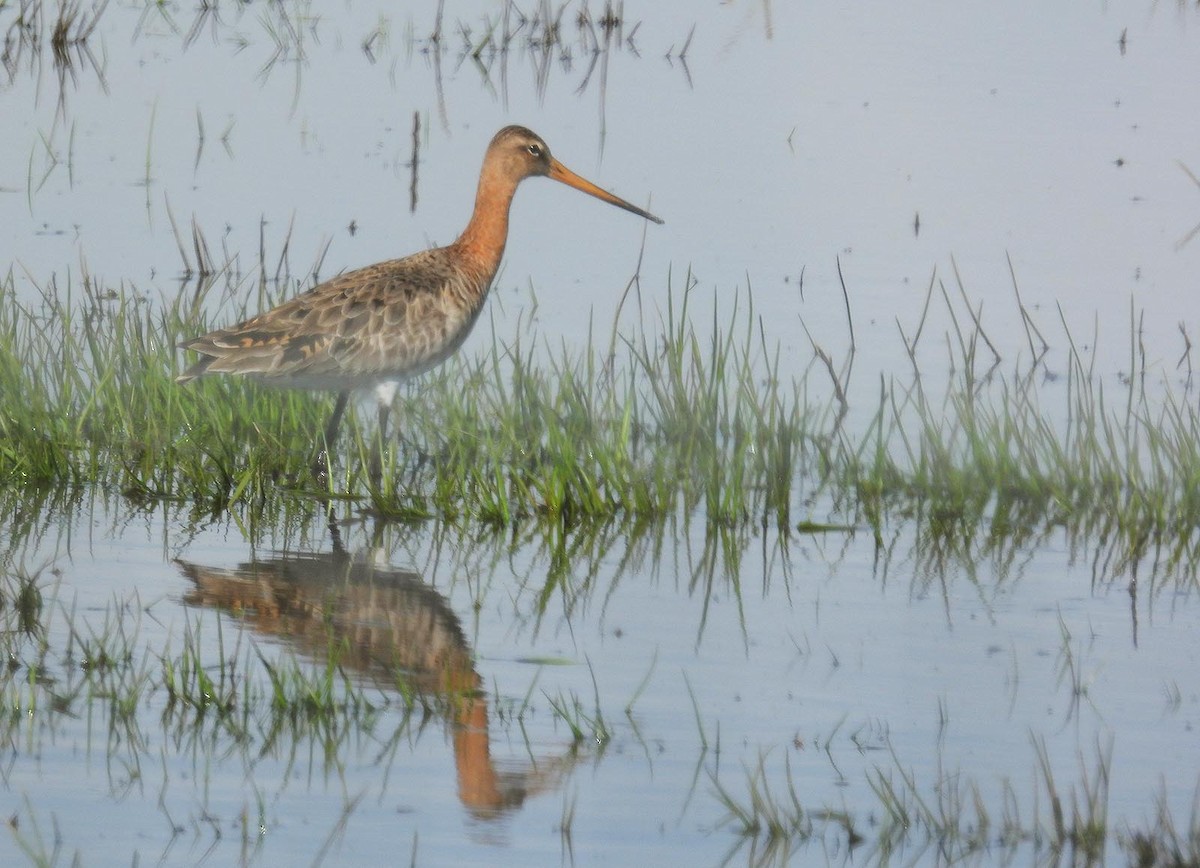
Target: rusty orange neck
482	242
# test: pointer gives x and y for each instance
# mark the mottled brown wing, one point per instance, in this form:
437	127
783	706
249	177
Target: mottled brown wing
389	320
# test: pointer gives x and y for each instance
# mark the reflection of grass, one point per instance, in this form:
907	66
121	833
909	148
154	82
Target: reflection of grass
1071	670
219	707
65	25
215	701
682	418
22	603
1165	843
205	697
32	840
223	702
951	816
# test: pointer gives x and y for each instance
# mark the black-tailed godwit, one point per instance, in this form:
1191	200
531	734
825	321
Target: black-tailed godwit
378	326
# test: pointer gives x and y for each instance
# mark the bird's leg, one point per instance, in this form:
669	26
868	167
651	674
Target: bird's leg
385	393
320	465
375	468
335	532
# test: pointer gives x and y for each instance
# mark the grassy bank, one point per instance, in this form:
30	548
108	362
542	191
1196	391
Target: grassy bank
682	415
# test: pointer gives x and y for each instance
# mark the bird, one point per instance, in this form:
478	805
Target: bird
376	327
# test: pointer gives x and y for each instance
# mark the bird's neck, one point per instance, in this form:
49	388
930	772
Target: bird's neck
482	242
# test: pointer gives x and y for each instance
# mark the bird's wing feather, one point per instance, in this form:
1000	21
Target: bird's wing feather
401	316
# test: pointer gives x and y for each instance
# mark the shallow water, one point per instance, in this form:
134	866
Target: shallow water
789	138
823	655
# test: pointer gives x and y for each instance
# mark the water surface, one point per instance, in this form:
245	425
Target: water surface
784	140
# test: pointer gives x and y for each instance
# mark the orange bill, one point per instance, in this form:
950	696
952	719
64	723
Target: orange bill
559	172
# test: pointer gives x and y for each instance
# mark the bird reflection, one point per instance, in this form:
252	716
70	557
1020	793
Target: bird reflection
392	627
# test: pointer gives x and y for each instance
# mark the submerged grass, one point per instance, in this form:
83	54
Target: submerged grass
677	418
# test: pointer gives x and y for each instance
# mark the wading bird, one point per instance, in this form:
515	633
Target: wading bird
378	326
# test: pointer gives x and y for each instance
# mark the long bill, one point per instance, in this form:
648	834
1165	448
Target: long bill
559	172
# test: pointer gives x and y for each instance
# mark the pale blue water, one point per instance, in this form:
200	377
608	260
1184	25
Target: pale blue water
791	137
822	657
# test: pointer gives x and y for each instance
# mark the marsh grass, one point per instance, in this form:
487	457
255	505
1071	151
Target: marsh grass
1166	842
949	818
678	417
771	820
22	603
585	727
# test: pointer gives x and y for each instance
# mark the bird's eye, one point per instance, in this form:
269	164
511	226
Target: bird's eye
535	149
